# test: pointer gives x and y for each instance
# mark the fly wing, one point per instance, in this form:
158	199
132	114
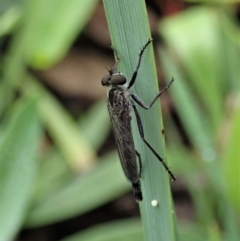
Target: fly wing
121	123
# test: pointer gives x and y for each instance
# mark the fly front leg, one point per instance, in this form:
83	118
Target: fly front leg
134	76
143	105
141	132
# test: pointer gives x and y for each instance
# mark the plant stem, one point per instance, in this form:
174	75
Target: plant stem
129	30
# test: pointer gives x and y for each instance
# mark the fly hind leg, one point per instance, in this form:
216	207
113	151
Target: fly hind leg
139	162
140	128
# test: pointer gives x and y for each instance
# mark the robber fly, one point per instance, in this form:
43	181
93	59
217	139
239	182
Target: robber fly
120	103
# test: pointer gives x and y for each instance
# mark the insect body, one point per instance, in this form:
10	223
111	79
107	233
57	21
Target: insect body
120	103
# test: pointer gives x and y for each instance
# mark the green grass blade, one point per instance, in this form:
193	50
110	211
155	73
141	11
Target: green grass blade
18	167
62	128
129	30
129	230
90	122
53	27
82	194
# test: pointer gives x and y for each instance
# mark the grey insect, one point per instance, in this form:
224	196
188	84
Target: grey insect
120	103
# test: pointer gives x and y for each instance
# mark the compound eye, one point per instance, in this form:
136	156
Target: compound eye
106	80
118	79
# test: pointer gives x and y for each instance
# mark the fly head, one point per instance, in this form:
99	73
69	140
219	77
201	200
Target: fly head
113	79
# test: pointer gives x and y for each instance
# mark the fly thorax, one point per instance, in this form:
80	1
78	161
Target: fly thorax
118	102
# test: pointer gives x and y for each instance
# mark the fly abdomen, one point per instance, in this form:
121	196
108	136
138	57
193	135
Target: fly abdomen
137	191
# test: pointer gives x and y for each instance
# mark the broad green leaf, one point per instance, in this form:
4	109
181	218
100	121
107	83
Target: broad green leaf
90	190
95	124
129	30
195	37
231	156
18	153
53	27
129	230
62	128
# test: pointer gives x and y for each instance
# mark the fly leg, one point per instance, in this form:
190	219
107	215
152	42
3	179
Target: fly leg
141	132
140	162
138	63
143	105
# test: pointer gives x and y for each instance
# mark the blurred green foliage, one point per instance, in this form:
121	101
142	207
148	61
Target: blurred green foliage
201	51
